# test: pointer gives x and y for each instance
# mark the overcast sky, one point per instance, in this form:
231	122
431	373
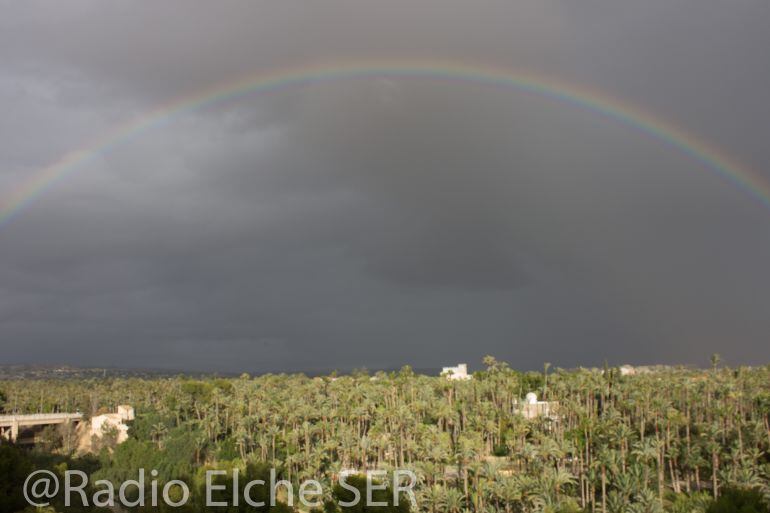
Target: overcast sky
387	221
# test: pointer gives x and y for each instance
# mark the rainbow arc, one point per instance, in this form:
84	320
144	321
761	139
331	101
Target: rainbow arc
593	101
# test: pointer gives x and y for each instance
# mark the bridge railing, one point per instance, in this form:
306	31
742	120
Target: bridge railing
40	417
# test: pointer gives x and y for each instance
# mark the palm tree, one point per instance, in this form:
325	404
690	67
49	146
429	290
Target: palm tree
715	359
158	433
431	498
452	501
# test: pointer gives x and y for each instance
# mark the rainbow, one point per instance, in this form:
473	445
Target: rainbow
594	102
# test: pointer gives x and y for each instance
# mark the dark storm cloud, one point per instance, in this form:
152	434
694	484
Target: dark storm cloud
387	221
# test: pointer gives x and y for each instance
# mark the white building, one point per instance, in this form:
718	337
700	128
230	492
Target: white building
459	373
531	408
102	423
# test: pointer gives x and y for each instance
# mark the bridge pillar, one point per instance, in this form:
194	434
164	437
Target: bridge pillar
14	431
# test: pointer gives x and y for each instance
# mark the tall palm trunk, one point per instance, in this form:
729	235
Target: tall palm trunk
604	488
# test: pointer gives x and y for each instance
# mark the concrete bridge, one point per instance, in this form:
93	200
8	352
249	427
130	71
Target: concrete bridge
12	425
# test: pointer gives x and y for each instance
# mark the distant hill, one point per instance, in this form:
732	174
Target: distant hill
29	371
68	372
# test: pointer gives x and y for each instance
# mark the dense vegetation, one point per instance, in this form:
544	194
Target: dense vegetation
676	440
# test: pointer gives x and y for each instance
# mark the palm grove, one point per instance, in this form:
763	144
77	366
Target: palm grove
679	440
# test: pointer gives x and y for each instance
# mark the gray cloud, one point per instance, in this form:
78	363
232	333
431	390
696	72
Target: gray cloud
385	221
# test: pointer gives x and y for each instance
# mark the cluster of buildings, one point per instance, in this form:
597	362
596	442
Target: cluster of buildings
530	408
